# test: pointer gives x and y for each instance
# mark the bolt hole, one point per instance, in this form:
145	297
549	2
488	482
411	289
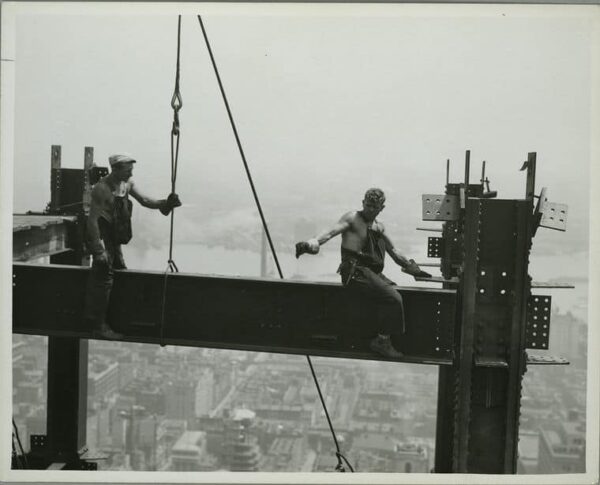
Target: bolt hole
482	273
502	292
482	291
503	273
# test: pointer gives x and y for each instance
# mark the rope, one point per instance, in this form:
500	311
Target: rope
339	455
176	104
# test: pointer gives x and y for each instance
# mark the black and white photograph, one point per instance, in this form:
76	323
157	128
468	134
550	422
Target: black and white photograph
278	242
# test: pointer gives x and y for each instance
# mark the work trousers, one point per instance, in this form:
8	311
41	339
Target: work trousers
381	291
100	283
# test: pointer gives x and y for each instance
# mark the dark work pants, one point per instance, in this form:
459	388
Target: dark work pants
379	290
100	283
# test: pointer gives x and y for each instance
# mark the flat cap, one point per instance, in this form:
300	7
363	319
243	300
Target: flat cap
120	158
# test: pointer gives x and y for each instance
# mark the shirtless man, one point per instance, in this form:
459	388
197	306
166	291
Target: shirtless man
109	226
364	244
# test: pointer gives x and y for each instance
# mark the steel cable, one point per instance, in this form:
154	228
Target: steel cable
176	105
339	455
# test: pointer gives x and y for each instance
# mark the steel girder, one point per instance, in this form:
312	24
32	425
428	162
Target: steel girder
236	313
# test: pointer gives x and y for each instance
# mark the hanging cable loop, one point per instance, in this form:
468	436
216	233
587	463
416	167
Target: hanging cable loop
176	105
339	455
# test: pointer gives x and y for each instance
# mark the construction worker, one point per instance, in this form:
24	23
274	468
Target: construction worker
363	247
108	227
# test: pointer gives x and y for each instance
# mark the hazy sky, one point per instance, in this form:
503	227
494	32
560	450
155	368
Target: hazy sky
327	103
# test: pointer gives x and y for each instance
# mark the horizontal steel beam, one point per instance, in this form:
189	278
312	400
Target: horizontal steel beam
38	236
237	313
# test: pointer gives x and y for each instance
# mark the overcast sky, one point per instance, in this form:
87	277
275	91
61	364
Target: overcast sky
327	104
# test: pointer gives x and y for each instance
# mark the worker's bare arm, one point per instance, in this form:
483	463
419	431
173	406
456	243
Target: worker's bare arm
396	255
100	197
145	200
312	245
340	227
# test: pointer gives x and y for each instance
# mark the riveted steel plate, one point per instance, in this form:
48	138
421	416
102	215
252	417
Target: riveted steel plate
554	216
538	321
434	247
440	207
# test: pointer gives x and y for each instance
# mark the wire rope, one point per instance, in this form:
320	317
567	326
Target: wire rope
339	455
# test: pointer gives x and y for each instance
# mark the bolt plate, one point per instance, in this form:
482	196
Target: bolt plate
434	247
440	207
554	216
538	321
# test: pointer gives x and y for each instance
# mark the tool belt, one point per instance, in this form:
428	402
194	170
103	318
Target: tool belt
351	261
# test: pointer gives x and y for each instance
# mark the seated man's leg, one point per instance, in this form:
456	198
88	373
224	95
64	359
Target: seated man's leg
390	313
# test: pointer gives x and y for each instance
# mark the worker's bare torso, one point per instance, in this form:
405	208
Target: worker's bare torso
355	236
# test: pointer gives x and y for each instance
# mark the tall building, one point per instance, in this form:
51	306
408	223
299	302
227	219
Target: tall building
189	453
103	380
565	335
180	399
241	452
205	393
562	448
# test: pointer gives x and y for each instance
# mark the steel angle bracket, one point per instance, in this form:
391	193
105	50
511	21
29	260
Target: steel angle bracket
440	207
538	321
554	216
551	214
546	360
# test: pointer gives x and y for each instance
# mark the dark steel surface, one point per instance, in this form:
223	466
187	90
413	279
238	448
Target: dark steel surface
464	383
39	237
517	356
237	313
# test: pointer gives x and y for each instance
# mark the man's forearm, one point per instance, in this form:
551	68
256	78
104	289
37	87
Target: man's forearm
400	259
95	241
153	203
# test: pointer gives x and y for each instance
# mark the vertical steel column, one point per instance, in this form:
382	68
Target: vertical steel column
517	356
465	360
67	367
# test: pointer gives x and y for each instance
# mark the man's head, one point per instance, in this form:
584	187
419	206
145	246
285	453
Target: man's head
373	203
121	166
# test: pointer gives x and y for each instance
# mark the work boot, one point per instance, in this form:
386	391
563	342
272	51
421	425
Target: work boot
108	333
382	344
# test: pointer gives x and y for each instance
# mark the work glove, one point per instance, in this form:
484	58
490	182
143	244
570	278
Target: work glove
170	203
311	247
413	269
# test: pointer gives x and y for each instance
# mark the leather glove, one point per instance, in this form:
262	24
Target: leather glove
311	247
413	269
170	203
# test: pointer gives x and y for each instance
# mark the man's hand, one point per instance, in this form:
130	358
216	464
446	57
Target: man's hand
413	269
311	246
170	203
100	259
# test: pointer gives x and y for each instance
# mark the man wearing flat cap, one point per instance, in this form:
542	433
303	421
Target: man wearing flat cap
108	227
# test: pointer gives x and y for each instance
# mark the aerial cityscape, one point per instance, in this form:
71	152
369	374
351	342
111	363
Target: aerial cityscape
184	409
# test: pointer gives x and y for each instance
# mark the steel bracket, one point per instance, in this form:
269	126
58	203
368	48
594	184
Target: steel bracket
440	207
